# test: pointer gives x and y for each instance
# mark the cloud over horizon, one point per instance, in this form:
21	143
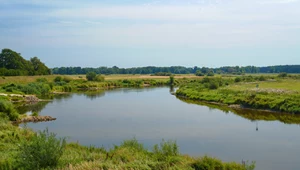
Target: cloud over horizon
192	26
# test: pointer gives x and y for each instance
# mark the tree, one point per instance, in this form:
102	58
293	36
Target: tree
39	67
172	81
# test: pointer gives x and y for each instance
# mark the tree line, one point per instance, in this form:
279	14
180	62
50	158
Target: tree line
178	70
13	64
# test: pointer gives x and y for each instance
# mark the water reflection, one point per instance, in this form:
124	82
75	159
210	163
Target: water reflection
24	108
252	114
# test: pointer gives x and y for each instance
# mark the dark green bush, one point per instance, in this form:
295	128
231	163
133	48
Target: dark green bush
91	76
43	150
283	75
58	79
238	79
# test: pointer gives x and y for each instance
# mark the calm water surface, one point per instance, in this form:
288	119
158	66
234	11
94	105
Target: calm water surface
152	114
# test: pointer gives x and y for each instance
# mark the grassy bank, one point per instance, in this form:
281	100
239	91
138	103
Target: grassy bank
24	149
269	93
251	114
21	148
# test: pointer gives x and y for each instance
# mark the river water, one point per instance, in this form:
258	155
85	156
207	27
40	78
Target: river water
152	114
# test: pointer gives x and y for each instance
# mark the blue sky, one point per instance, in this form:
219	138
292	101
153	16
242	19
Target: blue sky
130	33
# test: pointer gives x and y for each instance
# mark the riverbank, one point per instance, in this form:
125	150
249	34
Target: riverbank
254	95
130	154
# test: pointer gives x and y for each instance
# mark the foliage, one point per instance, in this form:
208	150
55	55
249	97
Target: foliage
161	74
92	76
166	149
58	79
283	74
211	73
13	64
8	110
208	163
229	93
199	73
43	150
172	80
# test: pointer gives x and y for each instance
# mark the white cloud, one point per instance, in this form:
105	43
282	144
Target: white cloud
277	1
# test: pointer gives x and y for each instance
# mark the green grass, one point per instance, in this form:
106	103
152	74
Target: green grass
272	94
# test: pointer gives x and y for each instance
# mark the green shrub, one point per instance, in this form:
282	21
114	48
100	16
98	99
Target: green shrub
43	150
211	73
8	109
172	80
165	150
199	73
134	144
91	76
99	78
283	75
238	79
67	79
41	80
58	79
35	114
262	78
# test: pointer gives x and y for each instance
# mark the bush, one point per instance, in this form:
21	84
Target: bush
211	73
58	79
213	85
283	75
67	79
99	78
166	149
91	76
199	73
43	150
9	111
262	78
237	79
172	81
41	80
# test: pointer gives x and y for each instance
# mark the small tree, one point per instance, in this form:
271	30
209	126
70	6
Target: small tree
172	81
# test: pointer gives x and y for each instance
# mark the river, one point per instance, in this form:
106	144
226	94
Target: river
152	114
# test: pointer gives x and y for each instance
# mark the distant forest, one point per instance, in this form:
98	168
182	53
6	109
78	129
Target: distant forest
178	70
13	64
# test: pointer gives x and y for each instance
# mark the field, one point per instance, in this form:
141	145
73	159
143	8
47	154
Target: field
50	78
261	92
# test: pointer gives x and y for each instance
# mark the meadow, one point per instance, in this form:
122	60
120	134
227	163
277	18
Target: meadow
274	93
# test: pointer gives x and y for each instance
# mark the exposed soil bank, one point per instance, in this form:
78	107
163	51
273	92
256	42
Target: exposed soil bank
35	119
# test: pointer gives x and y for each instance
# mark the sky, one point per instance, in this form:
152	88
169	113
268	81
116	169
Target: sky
133	33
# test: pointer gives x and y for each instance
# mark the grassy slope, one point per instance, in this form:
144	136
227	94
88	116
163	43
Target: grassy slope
276	94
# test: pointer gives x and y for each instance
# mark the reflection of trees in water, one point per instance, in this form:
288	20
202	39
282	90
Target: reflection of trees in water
94	95
252	114
172	89
23	108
